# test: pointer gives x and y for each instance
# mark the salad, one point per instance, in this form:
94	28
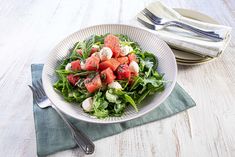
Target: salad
106	73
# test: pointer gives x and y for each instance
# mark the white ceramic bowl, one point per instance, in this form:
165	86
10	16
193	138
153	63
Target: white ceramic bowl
147	41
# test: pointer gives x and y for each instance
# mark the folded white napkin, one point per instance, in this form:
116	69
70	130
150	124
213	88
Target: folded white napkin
186	40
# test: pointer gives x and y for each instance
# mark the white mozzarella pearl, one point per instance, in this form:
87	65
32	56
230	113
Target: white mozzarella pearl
134	67
115	85
105	53
68	66
126	50
87	104
83	67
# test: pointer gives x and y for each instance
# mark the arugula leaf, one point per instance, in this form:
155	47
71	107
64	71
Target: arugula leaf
143	96
101	113
125	97
99	105
157	75
137	80
63	85
63	71
77	45
148	61
111	97
151	60
99	39
152	80
87	46
119	109
131	101
83	73
125	40
63	64
74	55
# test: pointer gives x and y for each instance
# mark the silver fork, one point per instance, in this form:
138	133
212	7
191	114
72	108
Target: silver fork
42	101
160	23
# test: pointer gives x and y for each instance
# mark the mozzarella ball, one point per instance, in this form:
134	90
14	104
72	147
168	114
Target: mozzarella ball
115	85
68	66
105	53
87	104
83	67
134	67
126	50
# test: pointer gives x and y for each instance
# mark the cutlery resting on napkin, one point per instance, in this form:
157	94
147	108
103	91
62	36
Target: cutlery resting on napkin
185	40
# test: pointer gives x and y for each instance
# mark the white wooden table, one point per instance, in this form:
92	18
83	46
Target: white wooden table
29	29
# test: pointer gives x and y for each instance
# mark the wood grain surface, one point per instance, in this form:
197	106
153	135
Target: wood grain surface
29	29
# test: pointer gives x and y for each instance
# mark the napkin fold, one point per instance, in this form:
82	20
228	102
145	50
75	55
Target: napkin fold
186	40
52	135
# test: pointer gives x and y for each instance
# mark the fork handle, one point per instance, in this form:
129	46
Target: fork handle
80	138
209	36
197	29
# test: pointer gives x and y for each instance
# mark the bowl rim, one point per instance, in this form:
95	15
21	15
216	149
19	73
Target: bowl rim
94	120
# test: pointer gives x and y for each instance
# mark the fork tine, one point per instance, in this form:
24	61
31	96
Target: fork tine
42	86
152	15
39	82
34	93
150	18
38	89
146	24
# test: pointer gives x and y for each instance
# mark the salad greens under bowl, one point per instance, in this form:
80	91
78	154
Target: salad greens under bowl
109	73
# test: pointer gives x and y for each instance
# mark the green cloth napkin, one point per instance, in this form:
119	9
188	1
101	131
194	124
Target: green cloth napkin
53	136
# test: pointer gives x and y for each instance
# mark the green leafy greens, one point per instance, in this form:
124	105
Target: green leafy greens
109	101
